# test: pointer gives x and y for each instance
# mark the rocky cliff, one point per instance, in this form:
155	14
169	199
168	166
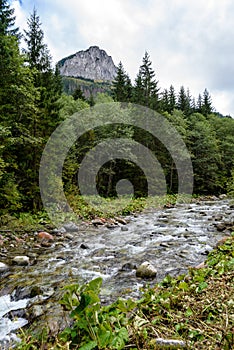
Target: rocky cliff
93	64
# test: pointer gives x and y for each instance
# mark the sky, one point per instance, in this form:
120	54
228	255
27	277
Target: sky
190	43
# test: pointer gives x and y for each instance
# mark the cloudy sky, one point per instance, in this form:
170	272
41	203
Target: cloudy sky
190	43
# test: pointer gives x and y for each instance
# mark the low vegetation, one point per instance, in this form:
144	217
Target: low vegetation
196	310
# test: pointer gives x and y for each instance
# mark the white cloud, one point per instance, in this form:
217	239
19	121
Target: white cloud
190	42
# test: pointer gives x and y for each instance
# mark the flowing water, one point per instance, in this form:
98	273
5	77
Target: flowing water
171	239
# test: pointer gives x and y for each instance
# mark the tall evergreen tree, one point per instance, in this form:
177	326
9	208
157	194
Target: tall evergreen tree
147	85
37	51
199	104
184	101
207	107
172	98
165	104
7	20
122	87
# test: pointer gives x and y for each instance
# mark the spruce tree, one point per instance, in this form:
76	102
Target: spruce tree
146	83
206	103
122	87
7	20
37	51
172	98
199	104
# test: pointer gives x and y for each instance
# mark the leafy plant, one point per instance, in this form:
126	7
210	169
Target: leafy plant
95	326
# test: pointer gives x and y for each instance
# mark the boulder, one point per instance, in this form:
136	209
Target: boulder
146	270
21	260
3	267
71	227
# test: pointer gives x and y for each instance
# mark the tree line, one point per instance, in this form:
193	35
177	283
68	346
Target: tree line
32	105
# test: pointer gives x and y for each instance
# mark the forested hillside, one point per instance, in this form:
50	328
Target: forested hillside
32	105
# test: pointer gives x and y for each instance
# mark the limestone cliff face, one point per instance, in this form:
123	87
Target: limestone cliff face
93	63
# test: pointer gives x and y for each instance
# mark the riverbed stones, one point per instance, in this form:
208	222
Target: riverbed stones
21	260
146	270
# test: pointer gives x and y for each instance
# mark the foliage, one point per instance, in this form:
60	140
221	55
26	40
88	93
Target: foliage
95	326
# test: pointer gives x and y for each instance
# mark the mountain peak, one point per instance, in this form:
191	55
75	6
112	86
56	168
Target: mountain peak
93	63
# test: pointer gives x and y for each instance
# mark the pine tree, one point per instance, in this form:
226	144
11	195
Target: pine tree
78	94
147	85
165	105
172	99
199	104
184	101
17	112
206	103
37	51
122	87
7	20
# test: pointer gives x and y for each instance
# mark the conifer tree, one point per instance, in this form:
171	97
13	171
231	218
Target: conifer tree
172	98
146	85
122	87
199	104
206	103
7	20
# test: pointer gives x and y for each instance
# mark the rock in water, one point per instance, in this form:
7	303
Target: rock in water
3	267
93	64
45	236
21	260
146	270
70	227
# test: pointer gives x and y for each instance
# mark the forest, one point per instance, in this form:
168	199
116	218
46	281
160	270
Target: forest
33	104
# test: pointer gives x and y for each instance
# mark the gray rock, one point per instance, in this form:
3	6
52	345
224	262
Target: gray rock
58	230
128	267
124	228
222	196
3	267
21	260
146	270
93	63
97	222
71	227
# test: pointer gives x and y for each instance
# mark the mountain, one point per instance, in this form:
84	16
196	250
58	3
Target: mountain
92	64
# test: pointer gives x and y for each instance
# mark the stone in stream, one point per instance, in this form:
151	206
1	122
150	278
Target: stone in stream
84	246
128	267
71	227
3	267
98	222
146	270
124	228
45	236
21	260
121	220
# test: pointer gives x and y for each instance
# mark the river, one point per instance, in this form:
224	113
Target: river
171	239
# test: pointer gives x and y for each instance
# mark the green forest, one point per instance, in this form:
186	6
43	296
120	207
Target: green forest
33	104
